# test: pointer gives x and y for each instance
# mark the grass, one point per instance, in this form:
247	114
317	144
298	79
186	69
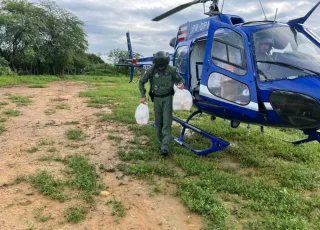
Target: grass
62	106
37	86
118	209
85	177
2	129
12	112
71	123
75	134
40	216
2	104
114	137
2	119
258	182
48	186
33	149
6	81
20	100
75	214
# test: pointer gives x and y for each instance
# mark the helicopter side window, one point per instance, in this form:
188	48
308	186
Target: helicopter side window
181	59
227	51
228	89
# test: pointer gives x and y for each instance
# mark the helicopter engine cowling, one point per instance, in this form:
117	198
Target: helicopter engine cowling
298	110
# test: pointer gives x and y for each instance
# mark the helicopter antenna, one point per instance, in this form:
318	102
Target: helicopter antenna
222	6
265	17
275	16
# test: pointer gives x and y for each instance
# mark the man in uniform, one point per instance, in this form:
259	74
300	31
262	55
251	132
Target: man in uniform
265	44
162	77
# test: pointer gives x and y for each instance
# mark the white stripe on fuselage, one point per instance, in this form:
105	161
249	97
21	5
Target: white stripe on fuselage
268	106
204	91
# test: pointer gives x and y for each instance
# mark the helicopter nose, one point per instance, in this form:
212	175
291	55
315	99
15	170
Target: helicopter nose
299	110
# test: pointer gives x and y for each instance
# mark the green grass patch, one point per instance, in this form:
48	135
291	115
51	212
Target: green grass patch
2	119
75	135
37	86
258	182
20	100
44	182
118	209
12	112
33	149
72	123
52	150
2	104
62	106
84	178
40	216
75	214
6	81
81	176
51	157
114	137
2	129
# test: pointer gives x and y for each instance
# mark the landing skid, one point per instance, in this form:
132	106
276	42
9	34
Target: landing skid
217	144
313	136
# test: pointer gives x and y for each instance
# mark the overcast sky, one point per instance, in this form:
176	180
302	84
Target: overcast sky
107	21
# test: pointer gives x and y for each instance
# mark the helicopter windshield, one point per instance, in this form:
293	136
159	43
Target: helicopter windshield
285	53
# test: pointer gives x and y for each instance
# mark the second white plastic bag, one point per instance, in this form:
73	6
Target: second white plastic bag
182	100
142	114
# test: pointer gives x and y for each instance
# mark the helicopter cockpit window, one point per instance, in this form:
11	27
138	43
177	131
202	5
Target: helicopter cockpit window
229	89
285	53
227	51
181	59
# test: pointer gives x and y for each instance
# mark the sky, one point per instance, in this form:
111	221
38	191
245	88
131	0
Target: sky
107	21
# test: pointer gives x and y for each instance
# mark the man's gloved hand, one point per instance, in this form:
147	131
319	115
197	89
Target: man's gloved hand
143	100
180	86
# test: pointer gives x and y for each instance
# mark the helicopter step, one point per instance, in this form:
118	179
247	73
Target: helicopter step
313	136
217	144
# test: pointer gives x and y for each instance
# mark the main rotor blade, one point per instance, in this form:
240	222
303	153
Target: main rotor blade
175	10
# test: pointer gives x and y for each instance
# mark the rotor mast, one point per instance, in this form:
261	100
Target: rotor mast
213	9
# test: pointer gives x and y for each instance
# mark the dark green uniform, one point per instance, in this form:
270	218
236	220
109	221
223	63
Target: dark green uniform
162	82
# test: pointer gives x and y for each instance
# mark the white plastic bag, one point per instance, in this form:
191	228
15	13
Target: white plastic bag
142	114
182	100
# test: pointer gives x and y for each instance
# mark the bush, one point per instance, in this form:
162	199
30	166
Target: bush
4	67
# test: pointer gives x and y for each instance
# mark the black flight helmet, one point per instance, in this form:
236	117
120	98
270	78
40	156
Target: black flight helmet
161	59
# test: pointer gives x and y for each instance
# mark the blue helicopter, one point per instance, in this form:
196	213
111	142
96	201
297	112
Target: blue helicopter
257	72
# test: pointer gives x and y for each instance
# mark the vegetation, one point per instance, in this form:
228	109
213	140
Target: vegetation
258	182
75	134
75	214
12	112
2	129
43	38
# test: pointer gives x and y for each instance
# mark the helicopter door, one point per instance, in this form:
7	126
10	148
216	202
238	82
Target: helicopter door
227	74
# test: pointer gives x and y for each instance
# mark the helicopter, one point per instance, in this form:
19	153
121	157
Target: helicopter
265	73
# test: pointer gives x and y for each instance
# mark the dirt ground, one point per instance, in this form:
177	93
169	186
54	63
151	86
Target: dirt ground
41	120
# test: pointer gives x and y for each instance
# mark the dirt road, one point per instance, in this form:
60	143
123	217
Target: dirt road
45	120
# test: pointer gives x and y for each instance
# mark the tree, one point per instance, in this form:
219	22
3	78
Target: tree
94	59
119	56
19	29
42	37
64	37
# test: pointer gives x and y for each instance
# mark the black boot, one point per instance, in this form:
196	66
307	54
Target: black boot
164	153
